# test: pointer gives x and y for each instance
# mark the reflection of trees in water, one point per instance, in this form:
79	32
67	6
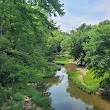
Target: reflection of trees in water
48	82
89	108
61	77
52	81
99	102
76	92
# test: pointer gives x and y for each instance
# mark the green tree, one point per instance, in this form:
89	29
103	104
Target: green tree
54	41
78	38
25	26
97	50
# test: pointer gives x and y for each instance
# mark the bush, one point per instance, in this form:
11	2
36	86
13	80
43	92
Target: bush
16	106
42	101
18	97
87	88
105	83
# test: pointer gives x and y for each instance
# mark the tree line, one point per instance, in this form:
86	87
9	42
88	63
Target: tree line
90	46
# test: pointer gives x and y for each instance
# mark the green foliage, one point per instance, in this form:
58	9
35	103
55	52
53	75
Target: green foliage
63	59
16	106
90	46
55	42
78	38
98	52
18	97
30	91
90	88
25	27
74	76
3	94
42	101
90	83
65	44
65	54
105	83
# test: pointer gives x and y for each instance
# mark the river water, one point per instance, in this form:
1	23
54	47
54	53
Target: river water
66	96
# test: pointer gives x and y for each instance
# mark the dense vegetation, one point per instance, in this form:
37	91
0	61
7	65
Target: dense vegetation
28	36
90	46
25	27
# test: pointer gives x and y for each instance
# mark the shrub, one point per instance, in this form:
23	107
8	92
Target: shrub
18	96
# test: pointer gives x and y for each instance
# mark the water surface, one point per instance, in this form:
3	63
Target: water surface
66	96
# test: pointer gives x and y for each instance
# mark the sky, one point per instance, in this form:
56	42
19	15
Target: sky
83	11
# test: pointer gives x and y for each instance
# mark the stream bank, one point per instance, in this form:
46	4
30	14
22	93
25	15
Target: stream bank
85	79
65	95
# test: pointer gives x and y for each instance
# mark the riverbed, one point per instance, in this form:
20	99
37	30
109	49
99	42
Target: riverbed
66	96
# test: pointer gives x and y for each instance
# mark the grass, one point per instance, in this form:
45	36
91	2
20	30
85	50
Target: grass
64	54
74	77
62	61
91	81
90	85
64	58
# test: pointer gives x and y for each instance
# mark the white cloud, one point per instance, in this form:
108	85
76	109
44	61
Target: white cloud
68	21
103	7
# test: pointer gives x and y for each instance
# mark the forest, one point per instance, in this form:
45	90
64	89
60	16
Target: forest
89	45
29	38
25	27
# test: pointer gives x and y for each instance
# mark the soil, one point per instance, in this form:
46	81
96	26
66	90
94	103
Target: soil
72	67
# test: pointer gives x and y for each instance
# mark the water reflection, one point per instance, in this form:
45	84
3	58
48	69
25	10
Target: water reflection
61	99
66	96
100	102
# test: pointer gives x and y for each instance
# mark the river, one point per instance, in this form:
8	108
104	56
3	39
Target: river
66	96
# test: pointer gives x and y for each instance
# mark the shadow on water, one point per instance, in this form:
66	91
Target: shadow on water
99	102
66	96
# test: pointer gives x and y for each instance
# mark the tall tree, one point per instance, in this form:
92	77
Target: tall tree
98	51
24	28
78	38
